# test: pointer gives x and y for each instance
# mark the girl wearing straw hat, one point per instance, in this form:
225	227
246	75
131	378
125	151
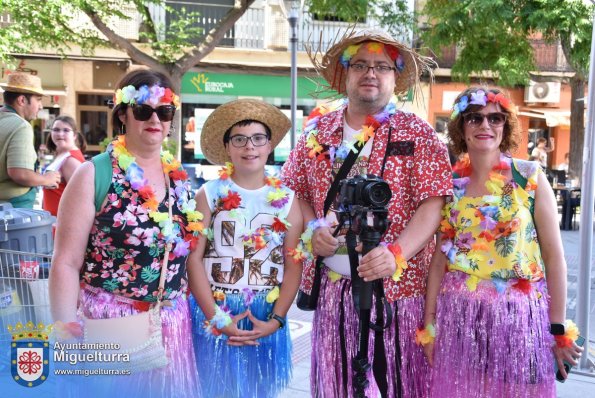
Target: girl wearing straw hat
243	275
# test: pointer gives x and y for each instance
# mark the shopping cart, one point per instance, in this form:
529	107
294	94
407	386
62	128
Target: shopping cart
24	293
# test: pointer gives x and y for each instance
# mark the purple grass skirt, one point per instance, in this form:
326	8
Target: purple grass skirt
491	344
335	342
177	380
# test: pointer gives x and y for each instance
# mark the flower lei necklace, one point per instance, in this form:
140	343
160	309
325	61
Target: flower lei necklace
368	130
277	197
173	168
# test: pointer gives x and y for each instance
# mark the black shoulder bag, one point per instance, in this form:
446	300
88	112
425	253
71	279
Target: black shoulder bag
309	302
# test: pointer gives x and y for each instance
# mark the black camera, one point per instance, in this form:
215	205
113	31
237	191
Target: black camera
363	191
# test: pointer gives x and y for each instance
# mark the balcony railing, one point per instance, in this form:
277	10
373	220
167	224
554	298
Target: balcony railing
548	57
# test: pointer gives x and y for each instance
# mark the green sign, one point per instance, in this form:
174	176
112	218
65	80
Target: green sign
246	85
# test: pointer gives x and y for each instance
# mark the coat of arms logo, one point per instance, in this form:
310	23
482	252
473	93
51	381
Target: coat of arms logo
30	353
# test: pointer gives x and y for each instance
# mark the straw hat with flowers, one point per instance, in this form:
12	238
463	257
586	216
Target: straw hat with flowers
333	66
226	115
23	83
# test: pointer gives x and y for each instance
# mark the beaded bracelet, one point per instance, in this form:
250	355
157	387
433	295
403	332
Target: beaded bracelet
569	337
426	335
400	261
220	320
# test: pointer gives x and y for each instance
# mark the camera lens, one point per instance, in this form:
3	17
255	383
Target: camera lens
377	194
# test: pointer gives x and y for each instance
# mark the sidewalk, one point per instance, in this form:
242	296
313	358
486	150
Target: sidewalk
577	385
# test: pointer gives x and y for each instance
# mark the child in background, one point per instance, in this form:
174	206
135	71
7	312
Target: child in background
243	276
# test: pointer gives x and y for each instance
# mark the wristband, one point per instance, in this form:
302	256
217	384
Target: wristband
220	320
569	337
426	335
282	321
401	263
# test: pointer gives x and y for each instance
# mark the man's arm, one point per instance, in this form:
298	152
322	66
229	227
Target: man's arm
29	178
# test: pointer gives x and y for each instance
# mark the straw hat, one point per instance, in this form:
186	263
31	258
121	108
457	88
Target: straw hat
226	115
23	83
335	73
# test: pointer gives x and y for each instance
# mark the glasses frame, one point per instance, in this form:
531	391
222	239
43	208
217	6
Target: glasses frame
365	68
245	139
140	112
468	116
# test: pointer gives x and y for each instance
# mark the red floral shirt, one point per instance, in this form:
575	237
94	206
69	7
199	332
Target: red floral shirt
417	167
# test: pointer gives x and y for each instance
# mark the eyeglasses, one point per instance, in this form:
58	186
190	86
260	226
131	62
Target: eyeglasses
475	119
143	112
64	130
240	141
378	69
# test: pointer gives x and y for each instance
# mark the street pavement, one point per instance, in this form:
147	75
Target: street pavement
581	383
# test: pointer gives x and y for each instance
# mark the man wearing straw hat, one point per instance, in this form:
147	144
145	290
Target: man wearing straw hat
369	68
22	101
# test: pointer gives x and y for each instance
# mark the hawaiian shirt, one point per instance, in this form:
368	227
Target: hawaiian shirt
125	248
416	167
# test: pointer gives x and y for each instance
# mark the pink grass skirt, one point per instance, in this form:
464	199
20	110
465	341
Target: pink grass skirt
491	344
335	342
177	380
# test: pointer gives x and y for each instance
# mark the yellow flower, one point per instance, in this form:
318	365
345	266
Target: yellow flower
219	295
375	47
273	295
158	216
194	215
477	256
571	330
334	276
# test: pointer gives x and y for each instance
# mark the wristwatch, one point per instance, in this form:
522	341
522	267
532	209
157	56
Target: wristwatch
282	321
557	329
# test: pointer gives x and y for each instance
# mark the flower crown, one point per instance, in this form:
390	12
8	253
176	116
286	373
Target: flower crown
374	48
479	98
145	94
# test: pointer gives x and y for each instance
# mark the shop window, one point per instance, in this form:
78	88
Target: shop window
94	119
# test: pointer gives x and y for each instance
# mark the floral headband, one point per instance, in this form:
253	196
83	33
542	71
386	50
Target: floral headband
374	48
145	94
479	98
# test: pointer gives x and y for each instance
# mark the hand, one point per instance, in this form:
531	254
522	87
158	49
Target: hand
378	263
429	353
259	329
569	354
323	242
53	179
239	337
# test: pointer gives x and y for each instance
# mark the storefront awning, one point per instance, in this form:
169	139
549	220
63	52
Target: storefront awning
553	117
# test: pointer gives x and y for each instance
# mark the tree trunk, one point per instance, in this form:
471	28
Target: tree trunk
177	134
577	124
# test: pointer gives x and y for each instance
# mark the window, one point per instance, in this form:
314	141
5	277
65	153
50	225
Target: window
94	119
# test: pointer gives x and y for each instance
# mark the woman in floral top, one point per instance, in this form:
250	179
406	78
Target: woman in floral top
492	309
108	257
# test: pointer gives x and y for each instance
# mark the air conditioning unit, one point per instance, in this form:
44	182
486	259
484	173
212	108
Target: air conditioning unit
542	92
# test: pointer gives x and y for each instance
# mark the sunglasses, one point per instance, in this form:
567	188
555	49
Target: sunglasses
143	112
475	119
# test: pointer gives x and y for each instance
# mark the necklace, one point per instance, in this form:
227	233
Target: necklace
172	168
277	197
368	130
491	216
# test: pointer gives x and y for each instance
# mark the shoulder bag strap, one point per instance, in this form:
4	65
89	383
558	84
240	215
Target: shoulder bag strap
103	177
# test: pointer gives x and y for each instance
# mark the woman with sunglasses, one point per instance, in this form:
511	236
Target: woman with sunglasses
109	251
67	144
496	297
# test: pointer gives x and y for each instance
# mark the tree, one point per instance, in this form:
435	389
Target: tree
56	24
494	36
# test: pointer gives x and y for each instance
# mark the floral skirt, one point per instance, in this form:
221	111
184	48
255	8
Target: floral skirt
243	372
335	334
177	380
492	340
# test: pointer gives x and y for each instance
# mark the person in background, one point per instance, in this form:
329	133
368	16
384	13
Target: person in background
369	67
541	150
496	297
22	101
109	251
245	269
67	146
